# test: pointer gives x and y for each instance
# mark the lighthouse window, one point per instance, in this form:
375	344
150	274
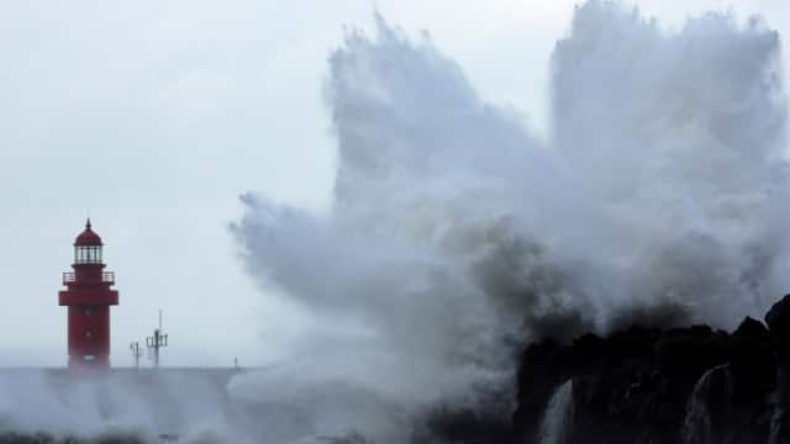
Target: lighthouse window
88	312
88	357
88	334
88	255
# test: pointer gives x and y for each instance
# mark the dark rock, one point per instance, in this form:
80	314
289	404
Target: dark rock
688	353
544	366
752	362
465	426
778	320
752	328
664	387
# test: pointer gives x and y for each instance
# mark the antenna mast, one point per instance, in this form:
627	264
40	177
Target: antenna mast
157	341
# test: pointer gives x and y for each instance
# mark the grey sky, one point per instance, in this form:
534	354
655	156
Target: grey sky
153	116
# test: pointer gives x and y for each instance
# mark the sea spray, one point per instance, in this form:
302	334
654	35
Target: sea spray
456	235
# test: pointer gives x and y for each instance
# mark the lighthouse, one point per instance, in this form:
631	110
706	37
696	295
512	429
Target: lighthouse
88	296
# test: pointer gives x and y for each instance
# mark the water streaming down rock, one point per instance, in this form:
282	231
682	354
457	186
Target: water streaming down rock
698	424
781	399
777	419
558	419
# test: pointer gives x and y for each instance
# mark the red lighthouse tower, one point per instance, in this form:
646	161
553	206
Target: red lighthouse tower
89	297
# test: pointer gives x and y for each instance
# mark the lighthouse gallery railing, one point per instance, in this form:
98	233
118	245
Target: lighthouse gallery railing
107	277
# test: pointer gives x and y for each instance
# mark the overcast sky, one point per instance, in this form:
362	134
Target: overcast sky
153	116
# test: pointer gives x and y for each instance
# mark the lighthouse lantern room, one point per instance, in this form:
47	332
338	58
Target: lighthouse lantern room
88	296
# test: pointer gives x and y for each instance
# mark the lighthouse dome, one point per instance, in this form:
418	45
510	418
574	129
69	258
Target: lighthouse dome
88	237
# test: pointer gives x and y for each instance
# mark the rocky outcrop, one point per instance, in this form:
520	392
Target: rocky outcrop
778	320
691	385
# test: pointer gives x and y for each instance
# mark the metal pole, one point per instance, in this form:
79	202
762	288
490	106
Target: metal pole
156	348
136	352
